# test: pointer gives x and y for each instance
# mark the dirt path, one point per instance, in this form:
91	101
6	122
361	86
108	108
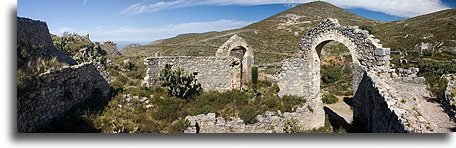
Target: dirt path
429	108
342	109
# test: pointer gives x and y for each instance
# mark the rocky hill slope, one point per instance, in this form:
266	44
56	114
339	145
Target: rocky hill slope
276	38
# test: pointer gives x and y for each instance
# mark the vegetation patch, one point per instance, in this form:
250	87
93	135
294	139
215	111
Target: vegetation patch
329	99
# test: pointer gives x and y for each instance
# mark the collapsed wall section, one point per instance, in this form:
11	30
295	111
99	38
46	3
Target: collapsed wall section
213	73
55	92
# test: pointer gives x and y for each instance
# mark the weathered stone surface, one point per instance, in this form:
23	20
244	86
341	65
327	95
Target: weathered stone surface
213	73
269	122
377	105
109	48
37	33
57	91
380	107
450	95
235	42
221	72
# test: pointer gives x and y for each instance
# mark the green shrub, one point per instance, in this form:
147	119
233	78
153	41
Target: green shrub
169	109
254	76
368	28
329	99
438	89
179	83
331	74
291	126
248	114
432	72
70	44
179	126
289	102
270	102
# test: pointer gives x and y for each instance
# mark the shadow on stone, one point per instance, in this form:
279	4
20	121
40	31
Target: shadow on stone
78	119
336	121
348	101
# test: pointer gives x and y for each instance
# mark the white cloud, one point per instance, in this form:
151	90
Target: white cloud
84	2
150	34
402	8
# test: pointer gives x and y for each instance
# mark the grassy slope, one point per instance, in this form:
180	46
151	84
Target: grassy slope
272	43
275	40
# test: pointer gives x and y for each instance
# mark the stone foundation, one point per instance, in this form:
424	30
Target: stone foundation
269	122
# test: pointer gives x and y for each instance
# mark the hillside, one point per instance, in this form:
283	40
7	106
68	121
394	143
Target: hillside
274	42
277	37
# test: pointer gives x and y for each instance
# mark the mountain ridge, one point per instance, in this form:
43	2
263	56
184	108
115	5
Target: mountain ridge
276	38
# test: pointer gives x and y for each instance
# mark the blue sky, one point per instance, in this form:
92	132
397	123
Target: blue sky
143	21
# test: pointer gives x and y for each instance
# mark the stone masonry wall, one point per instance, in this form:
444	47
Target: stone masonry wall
450	95
37	33
213	73
380	110
269	122
55	92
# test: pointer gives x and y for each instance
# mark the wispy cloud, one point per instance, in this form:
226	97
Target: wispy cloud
84	2
402	8
150	34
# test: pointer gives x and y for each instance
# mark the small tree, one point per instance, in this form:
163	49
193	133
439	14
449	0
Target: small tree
179	83
254	76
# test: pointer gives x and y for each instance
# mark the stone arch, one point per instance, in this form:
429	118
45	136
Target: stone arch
367	54
237	43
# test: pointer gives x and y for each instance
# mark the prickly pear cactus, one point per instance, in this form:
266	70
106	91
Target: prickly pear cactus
179	83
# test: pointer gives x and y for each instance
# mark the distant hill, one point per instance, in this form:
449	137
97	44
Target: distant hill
276	38
131	45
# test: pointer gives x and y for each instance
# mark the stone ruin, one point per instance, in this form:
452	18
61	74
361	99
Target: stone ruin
55	92
379	105
450	94
36	32
381	96
221	72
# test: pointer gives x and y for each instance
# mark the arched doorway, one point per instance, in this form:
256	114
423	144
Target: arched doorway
238	47
301	76
366	52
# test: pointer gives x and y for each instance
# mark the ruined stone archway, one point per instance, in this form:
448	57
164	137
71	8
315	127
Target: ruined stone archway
301	76
366	52
238	43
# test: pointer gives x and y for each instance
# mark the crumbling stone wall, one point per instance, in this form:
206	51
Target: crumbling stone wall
109	48
378	108
450	95
408	75
55	92
269	122
213	73
367	54
37	33
374	103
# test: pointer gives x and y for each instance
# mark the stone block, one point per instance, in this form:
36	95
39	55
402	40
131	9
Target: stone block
380	51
